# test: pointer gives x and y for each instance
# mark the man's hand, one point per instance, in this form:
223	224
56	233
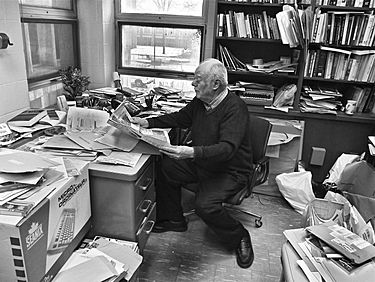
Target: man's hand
178	152
141	121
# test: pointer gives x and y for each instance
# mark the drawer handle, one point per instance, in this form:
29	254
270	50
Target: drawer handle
145	206
147	184
148	226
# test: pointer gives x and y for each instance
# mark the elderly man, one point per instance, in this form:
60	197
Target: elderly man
219	160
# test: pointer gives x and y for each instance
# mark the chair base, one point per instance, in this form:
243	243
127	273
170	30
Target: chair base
258	218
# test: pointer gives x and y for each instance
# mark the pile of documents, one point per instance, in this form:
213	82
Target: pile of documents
88	137
103	259
169	99
22	174
320	100
331	252
13	131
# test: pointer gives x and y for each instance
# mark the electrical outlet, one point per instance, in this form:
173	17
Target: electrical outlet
317	156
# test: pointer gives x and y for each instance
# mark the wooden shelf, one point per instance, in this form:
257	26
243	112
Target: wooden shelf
260	74
260	40
364	118
268	5
349	82
346	47
345	8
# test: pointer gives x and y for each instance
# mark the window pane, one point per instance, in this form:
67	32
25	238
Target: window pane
48	48
59	4
169	7
176	49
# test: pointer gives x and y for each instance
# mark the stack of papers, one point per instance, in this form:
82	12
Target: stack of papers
103	259
333	253
320	100
21	175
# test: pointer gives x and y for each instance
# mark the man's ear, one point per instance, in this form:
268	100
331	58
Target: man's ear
217	84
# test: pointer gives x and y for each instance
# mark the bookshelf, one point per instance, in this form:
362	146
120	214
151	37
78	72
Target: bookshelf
337	133
250	33
341	53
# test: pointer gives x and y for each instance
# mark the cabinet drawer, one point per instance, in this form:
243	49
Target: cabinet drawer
143	185
146	226
144	207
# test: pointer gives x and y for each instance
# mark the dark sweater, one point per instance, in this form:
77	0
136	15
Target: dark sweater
220	137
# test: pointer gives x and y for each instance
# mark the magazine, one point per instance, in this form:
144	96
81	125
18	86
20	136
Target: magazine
122	120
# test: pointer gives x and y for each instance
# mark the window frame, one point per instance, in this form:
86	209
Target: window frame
157	20
44	15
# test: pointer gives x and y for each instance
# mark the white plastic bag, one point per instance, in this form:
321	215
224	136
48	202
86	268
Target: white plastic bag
338	167
296	188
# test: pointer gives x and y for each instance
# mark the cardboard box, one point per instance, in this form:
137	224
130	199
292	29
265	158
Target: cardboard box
284	151
28	249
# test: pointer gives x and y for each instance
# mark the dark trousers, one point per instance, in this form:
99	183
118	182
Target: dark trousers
212	190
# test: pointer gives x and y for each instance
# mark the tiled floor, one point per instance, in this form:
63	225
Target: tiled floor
196	255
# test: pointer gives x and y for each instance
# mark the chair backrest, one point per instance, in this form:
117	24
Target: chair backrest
260	130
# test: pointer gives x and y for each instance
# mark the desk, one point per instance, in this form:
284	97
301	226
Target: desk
290	269
123	200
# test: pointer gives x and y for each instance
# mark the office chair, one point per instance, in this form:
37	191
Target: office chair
260	130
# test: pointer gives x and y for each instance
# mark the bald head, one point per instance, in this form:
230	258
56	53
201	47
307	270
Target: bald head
210	79
215	70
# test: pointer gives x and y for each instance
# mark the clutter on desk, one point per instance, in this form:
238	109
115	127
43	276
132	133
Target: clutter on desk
28	117
21	175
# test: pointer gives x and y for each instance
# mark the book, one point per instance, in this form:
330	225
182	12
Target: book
27	118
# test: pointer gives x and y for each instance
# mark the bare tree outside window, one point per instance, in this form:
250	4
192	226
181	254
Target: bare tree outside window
168	7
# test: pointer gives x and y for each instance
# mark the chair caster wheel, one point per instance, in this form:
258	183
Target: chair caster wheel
258	223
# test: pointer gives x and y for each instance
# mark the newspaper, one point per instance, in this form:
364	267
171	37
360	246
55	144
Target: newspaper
122	120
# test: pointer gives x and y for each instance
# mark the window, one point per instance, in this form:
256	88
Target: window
50	37
159	38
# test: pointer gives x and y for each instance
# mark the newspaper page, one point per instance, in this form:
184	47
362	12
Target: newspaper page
121	119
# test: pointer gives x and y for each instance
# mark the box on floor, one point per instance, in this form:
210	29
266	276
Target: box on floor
28	248
284	151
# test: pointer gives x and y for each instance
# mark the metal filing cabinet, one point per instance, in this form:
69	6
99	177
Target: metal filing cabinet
123	200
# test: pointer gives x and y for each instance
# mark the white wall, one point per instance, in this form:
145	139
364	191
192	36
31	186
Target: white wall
97	40
13	81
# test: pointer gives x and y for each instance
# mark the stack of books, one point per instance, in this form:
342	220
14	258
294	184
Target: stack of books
239	24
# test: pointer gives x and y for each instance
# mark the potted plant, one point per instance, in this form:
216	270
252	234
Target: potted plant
74	82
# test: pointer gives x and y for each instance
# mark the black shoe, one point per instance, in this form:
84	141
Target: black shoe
169	225
244	252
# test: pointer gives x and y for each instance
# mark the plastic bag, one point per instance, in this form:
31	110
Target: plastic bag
285	95
296	188
360	227
352	218
338	167
319	211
